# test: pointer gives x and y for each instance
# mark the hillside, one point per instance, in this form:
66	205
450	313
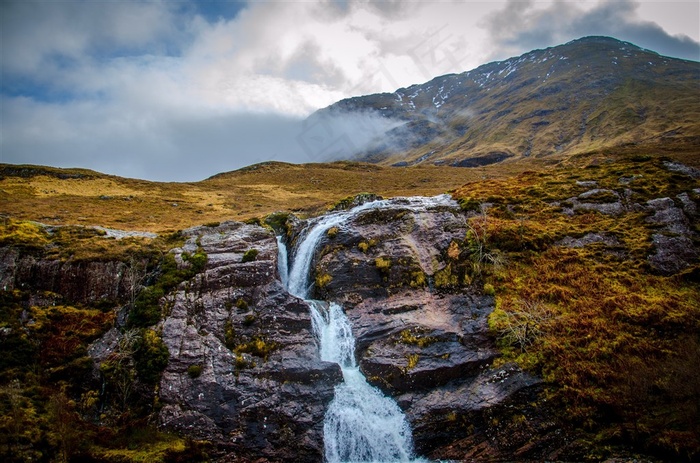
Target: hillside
587	94
584	274
82	197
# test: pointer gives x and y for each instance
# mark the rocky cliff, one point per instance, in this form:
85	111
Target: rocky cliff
419	340
259	388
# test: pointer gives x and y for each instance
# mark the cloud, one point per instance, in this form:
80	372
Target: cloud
55	33
182	90
129	141
524	25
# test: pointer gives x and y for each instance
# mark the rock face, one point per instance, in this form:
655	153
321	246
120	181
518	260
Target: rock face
673	219
84	282
243	369
674	249
428	348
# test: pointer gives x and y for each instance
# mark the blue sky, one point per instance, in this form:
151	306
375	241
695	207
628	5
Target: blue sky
181	90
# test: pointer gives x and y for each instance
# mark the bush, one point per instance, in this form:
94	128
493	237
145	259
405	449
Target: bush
146	310
258	346
323	280
194	371
250	255
278	221
151	356
383	264
197	261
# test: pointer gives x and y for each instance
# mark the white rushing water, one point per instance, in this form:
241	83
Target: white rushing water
282	261
361	424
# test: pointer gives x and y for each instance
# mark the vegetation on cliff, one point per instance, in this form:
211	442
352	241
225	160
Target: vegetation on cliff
55	405
581	303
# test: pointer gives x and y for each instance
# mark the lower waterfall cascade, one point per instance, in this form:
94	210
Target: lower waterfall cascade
361	423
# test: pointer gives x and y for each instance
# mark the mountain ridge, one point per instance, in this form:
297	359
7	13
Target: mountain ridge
590	93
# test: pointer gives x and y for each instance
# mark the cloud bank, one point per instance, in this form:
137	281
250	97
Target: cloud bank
184	90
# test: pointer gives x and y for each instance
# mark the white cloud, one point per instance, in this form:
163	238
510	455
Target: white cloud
523	25
153	89
36	34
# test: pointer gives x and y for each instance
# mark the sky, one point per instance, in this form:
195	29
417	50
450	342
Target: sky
182	90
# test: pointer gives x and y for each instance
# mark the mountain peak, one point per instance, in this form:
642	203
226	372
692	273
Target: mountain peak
589	93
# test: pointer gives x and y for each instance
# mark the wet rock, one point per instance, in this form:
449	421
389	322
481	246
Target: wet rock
673	253
261	390
83	282
380	251
429	349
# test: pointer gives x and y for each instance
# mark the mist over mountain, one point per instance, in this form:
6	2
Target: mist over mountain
589	93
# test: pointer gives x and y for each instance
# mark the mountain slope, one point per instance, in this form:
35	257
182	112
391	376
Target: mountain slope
587	94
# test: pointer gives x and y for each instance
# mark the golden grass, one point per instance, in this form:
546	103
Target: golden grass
252	192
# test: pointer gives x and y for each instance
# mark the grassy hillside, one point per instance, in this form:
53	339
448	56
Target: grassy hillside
80	197
615	340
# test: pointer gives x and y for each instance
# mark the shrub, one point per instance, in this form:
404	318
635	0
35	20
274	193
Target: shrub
250	255
277	221
323	280
412	361
151	356
194	371
416	338
197	261
332	232
229	335
258	346
521	327
383	264
146	309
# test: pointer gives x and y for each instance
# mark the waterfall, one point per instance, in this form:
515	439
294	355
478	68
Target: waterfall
282	261
361	424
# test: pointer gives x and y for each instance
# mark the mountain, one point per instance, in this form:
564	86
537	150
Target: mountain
587	94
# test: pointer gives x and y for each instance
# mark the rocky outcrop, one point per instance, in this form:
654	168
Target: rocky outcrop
671	220
82	282
243	369
673	243
426	346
